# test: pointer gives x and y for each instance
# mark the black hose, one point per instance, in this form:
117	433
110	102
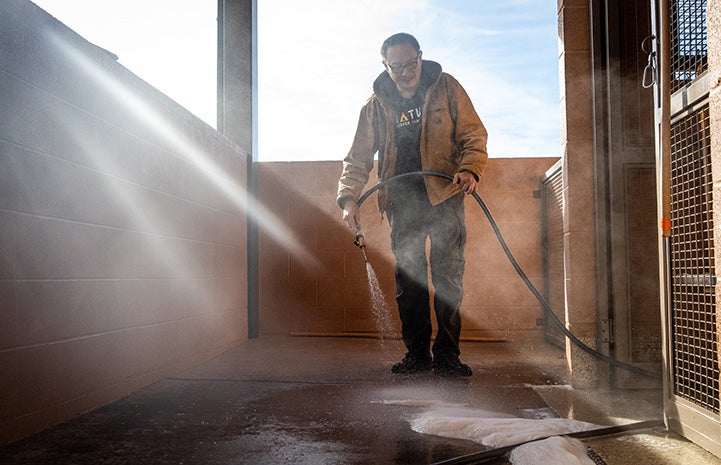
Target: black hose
546	306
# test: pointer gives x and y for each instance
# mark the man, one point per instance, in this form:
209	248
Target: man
419	118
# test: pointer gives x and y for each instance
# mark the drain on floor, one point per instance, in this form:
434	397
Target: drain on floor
593	455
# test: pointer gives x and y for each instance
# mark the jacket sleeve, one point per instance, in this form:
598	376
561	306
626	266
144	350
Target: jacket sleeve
358	164
470	133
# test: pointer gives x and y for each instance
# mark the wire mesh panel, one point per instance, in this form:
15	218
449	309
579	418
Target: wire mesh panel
693	313
688	41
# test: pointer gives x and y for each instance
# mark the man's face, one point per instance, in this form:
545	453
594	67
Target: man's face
404	66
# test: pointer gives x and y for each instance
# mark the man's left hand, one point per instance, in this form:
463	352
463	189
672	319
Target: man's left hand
466	180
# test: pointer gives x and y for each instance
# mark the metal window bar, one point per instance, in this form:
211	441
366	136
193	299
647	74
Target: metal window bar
693	273
688	41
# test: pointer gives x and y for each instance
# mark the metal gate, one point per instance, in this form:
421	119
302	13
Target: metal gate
693	272
692	381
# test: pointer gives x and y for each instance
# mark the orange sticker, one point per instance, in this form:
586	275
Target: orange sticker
666	224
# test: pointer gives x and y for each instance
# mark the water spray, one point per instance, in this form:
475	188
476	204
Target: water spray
544	303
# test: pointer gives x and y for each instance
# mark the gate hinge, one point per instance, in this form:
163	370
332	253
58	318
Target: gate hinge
606	331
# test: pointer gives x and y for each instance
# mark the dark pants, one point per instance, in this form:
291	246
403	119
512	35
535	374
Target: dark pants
413	220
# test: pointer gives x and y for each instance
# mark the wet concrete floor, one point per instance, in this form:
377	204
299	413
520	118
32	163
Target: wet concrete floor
298	400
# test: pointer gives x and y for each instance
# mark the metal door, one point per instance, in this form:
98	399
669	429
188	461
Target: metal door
691	384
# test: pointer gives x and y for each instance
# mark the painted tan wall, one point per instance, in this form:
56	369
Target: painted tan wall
120	260
319	284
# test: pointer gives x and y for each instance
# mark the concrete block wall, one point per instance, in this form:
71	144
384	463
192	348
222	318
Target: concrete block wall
121	260
319	285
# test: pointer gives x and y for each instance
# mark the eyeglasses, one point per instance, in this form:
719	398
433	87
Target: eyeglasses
410	66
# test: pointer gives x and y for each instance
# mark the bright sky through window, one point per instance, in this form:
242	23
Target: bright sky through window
317	60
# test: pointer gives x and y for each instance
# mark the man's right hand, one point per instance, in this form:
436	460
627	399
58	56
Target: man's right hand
351	215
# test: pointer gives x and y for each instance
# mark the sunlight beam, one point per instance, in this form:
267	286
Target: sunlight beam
183	146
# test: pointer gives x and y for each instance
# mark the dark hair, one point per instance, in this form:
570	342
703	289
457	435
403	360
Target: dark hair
399	39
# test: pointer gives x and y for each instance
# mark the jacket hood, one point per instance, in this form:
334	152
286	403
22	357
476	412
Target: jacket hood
384	86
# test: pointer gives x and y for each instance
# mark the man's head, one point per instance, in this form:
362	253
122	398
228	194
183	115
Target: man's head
402	58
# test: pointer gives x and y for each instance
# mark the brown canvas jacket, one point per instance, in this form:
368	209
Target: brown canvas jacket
453	138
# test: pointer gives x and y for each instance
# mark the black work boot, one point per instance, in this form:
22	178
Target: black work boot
451	368
411	364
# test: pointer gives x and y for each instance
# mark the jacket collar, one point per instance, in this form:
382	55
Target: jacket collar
385	88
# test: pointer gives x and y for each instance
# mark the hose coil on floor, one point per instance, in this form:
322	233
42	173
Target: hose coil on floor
546	306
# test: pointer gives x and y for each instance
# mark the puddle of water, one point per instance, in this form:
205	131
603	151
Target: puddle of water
538	413
419	403
650	442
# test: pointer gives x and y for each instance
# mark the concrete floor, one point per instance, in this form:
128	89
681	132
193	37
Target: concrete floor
297	400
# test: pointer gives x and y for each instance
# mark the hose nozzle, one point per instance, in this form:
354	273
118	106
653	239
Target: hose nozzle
360	243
